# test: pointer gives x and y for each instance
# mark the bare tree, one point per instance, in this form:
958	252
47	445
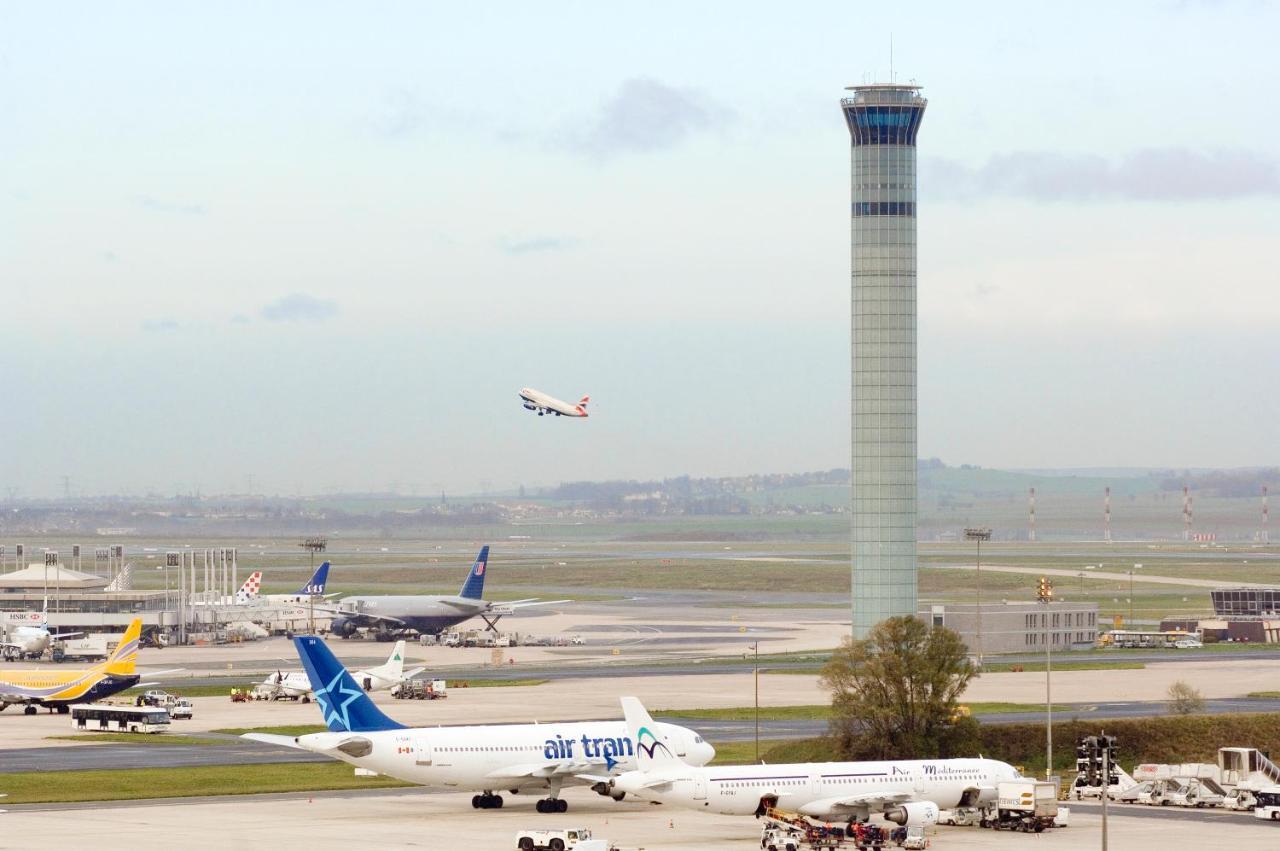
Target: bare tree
1185	699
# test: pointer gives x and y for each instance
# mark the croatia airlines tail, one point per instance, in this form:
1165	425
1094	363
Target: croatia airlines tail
249	590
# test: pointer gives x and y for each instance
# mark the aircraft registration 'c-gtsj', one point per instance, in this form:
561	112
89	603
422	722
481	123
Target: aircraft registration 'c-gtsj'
59	689
520	758
536	400
908	792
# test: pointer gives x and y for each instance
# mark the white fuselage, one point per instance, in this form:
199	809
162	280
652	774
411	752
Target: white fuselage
823	789
500	757
29	640
536	400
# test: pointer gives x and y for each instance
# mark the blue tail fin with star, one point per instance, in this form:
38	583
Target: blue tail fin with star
344	705
473	588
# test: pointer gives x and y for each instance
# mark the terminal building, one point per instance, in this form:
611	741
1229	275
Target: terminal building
1018	627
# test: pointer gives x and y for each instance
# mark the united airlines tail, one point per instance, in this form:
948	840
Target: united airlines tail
123	659
315	585
344	705
651	751
473	588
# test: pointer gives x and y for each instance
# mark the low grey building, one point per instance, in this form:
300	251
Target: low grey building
1019	627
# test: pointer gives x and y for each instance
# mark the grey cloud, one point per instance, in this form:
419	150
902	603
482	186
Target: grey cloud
646	115
157	205
536	245
1154	174
159	325
299	307
240	319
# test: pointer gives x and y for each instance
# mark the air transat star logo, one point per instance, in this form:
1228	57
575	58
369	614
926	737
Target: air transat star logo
335	714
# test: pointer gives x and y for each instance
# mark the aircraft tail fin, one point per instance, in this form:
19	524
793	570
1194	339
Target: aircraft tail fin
473	588
249	590
582	405
652	751
394	669
123	660
315	585
344	705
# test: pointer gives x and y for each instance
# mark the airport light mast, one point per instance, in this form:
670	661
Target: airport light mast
978	536
313	545
1045	595
883	120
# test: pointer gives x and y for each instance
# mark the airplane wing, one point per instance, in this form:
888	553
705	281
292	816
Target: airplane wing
542	770
871	800
62	635
361	617
272	739
508	608
408	675
17	698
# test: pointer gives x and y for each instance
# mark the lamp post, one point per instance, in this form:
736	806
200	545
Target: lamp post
313	546
978	535
755	667
1136	567
1045	595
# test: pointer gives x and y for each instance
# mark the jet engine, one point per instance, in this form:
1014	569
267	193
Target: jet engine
915	814
608	791
344	627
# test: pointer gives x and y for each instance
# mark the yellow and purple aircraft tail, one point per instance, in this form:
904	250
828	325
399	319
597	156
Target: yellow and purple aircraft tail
37	687
124	658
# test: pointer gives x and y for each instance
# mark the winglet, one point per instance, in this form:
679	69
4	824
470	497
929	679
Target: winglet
473	588
652	752
315	585
344	705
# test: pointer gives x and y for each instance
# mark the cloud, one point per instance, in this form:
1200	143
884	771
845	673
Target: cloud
536	245
157	205
299	307
159	325
1154	174
240	319
645	115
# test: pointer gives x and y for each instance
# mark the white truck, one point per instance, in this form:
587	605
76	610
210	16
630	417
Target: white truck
1025	805
560	840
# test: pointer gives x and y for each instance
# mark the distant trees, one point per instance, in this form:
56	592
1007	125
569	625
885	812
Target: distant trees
895	693
1184	699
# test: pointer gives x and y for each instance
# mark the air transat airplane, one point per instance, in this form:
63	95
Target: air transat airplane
535	400
521	758
907	792
295	684
427	614
59	689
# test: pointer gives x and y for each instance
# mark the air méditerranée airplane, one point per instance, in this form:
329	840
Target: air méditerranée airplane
907	792
521	758
536	400
296	684
59	689
424	613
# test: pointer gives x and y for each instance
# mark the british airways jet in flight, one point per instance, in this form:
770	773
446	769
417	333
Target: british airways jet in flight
536	400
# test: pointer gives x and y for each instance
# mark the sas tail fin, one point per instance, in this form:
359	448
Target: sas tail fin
315	585
344	705
124	658
473	588
249	590
652	751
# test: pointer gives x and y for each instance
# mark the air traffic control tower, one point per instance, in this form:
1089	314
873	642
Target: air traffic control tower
883	121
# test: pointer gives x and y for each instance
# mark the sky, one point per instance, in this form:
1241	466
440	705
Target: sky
317	246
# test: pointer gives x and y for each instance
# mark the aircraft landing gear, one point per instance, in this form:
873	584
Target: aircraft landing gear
553	805
29	710
63	709
487	801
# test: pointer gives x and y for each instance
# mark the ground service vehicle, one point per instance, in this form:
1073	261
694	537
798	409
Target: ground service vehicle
421	690
102	717
1186	792
556	840
1026	805
181	708
1268	803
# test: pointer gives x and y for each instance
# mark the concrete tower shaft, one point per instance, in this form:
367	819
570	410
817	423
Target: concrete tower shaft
883	121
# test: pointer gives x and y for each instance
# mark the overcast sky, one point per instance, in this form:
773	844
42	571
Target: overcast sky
324	245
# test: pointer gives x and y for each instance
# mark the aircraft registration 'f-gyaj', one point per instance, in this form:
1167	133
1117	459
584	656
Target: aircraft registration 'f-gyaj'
59	689
907	792
297	684
521	758
424	613
535	400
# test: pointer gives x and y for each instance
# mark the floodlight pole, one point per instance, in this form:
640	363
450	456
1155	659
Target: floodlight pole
1046	597
755	666
313	546
978	536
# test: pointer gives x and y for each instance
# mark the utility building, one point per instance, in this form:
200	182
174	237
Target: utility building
883	121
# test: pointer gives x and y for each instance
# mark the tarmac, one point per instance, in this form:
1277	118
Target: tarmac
422	818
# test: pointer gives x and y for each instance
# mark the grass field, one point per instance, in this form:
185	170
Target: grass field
139	739
284	730
822	712
202	690
127	784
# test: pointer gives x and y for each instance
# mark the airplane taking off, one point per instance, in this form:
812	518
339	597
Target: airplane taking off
907	792
427	614
59	689
522	758
295	684
536	400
